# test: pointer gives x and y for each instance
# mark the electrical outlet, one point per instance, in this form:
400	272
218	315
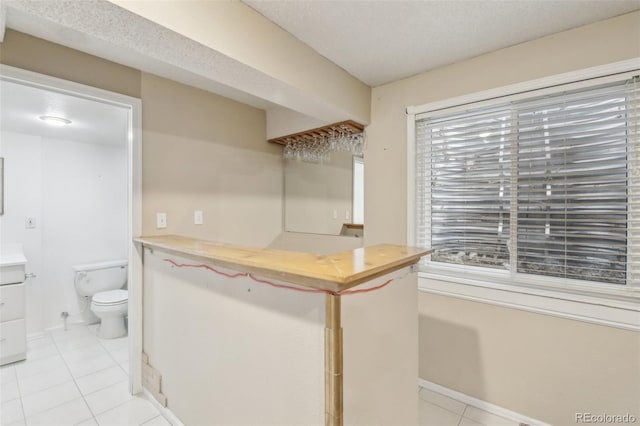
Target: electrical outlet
347	215
335	213
198	218
161	220
29	222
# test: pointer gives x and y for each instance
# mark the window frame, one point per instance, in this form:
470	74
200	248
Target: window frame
507	288
358	189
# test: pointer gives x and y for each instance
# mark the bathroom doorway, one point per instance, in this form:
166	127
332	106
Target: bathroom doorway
120	138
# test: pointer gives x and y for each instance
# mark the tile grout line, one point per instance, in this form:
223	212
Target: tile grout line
109	352
93	372
445	408
80	348
462	415
113	408
117	364
95	415
24	415
153	418
102	388
74	382
465	410
111	355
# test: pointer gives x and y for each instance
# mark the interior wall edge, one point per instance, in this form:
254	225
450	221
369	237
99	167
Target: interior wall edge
34	54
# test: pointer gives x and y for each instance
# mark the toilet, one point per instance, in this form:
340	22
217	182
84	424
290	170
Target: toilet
104	283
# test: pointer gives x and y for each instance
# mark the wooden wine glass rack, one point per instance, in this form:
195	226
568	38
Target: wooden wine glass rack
324	131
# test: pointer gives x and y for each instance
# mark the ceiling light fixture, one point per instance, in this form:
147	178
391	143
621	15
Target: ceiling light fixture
55	121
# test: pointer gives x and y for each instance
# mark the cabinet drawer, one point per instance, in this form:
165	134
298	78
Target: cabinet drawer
13	341
11	302
12	274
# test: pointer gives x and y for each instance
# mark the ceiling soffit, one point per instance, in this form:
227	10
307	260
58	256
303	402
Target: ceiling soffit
103	29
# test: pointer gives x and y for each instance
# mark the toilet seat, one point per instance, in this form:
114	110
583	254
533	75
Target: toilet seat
111	297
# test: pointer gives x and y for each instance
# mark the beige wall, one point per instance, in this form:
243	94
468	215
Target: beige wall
252	342
537	365
544	367
34	54
200	151
205	152
251	354
385	172
380	353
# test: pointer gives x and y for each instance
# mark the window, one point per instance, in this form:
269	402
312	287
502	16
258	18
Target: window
542	186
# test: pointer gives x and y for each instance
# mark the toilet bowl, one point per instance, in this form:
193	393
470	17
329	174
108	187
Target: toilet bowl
104	283
111	307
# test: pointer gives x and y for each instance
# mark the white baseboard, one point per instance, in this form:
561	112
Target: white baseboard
36	335
45	332
483	405
166	413
40	334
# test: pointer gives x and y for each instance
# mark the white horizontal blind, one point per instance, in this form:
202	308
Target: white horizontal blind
572	185
563	167
469	158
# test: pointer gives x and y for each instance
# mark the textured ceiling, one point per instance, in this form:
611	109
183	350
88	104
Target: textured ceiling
103	29
383	41
92	121
376	41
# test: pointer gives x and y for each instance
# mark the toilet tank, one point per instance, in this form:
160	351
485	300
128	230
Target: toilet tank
93	278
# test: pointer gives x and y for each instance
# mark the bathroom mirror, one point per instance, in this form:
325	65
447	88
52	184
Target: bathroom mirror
325	198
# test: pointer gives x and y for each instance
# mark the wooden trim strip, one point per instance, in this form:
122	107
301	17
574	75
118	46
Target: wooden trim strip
333	367
353	226
349	125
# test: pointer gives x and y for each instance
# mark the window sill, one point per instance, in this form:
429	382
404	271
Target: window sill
614	312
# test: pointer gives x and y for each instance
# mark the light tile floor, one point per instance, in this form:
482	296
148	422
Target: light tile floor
73	378
435	409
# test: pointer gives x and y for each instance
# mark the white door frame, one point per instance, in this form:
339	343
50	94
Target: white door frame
134	196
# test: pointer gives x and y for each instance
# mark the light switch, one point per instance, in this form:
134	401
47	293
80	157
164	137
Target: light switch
197	217
161	220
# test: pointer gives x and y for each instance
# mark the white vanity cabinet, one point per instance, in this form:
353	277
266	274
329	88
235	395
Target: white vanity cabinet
13	331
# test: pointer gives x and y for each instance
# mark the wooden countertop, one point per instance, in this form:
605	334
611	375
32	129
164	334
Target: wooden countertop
335	272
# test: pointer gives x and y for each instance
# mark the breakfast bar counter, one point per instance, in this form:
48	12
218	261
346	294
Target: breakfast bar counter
245	335
335	272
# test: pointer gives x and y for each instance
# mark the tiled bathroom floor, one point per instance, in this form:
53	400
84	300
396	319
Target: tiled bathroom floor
72	377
